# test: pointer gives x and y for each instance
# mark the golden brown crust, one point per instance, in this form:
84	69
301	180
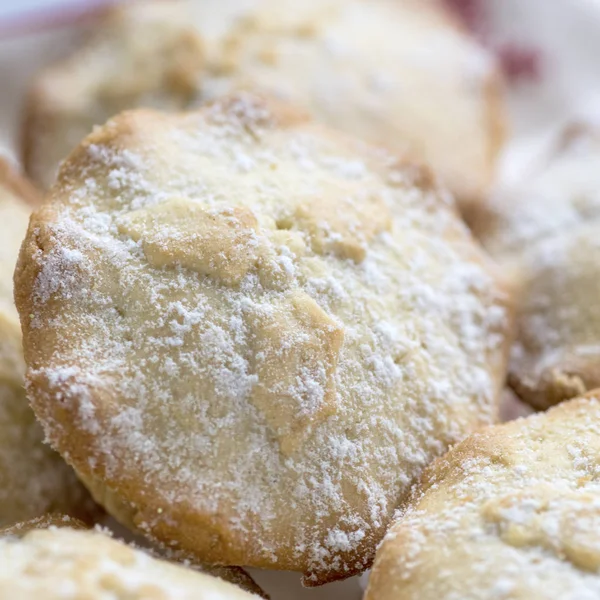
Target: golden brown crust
556	355
230	135
33	479
115	506
204	535
569	378
234	575
505	512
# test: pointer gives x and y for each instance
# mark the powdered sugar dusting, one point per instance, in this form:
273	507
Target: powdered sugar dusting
67	563
512	512
33	478
339	325
407	74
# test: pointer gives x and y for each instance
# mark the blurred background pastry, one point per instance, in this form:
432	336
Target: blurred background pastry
397	72
546	231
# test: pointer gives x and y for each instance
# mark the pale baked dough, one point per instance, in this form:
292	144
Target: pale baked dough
234	575
546	231
557	353
511	513
59	563
33	478
249	334
140	53
398	72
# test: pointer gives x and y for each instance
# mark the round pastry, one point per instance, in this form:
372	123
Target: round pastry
546	231
401	73
234	575
33	478
511	513
57	563
557	353
249	334
140	53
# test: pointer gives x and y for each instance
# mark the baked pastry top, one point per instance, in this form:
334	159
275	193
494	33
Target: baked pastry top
397	72
510	513
249	334
52	521
56	563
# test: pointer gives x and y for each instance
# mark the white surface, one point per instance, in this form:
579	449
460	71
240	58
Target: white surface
568	34
567	31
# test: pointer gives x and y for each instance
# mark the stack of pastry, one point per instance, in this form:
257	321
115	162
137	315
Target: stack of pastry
251	328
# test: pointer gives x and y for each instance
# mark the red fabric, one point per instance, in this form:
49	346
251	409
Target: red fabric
518	61
471	12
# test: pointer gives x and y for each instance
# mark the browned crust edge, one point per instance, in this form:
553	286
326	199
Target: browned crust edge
201	531
490	442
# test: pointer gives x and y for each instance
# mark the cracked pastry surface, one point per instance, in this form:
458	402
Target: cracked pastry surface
233	575
63	562
546	231
510	513
397	72
249	334
33	478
